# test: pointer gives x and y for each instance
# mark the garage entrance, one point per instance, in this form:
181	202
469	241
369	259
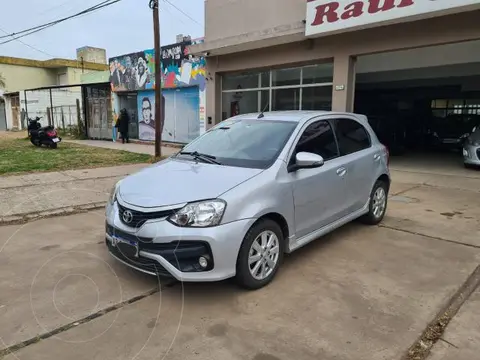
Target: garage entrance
422	102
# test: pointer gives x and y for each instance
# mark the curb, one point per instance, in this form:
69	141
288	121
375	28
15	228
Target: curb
434	331
152	143
18	219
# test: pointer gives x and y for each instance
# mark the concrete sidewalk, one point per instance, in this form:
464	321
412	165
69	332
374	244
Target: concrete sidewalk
27	197
461	340
132	147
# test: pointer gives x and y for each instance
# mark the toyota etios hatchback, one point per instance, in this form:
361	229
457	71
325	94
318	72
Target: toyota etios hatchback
252	188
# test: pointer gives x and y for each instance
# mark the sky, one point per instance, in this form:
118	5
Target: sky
122	28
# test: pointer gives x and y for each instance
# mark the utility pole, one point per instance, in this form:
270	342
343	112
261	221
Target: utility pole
159	116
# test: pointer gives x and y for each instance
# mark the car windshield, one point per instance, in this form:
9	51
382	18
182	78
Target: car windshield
241	143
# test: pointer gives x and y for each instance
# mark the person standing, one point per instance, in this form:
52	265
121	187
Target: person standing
122	125
114	130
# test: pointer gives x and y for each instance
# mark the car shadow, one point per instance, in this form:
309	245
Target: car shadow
228	290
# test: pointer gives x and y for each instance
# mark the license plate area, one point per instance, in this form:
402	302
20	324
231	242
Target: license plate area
129	249
55	140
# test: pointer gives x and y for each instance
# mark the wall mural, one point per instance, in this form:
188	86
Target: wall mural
136	71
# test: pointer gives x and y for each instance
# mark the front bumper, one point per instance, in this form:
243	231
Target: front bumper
471	155
164	249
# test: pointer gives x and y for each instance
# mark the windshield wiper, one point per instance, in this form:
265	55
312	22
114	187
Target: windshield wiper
205	157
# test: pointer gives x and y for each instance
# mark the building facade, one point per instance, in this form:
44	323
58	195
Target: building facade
311	54
132	78
22	75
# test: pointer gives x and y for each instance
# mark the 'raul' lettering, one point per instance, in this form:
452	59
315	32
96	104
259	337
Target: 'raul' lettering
331	13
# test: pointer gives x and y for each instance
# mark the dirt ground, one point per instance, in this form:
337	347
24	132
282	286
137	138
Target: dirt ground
360	293
7	135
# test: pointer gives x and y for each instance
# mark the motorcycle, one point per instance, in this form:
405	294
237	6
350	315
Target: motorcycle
39	135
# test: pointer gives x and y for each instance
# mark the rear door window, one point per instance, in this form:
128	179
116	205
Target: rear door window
351	136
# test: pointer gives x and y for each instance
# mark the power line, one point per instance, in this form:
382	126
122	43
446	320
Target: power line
183	12
57	21
32	30
30	46
55	7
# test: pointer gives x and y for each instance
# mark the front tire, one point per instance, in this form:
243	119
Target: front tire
35	142
260	255
378	204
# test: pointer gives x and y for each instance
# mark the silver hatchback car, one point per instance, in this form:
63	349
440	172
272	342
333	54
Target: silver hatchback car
254	187
471	149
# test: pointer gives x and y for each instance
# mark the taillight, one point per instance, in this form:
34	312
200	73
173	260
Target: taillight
52	133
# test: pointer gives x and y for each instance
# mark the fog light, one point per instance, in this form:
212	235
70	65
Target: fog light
465	153
203	262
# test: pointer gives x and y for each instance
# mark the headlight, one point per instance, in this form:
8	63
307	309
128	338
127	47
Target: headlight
113	193
200	214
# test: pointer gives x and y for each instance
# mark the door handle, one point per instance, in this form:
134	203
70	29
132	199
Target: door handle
341	171
376	157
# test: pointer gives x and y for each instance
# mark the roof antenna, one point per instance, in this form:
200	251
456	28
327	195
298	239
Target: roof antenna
261	115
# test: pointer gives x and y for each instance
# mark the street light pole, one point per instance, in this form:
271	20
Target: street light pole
153	4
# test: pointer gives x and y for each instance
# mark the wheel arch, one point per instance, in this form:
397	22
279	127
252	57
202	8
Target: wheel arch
280	220
386	179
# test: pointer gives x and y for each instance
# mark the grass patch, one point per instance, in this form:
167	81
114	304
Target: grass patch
18	155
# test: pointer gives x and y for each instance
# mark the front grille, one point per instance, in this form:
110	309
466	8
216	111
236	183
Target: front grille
478	154
139	218
126	253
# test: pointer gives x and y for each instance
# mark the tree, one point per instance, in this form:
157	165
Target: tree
2	81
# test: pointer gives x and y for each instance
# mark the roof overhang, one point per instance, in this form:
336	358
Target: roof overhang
278	35
52	63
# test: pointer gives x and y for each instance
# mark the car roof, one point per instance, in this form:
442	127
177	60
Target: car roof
293	115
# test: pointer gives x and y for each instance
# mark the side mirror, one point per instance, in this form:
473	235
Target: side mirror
306	160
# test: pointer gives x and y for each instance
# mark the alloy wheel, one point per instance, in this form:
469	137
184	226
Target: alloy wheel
263	255
379	202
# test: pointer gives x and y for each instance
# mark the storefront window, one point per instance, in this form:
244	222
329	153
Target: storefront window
316	74
317	98
236	103
265	79
285	77
264	100
240	81
307	88
286	99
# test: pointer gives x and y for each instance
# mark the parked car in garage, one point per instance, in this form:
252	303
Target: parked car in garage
451	132
471	148
254	187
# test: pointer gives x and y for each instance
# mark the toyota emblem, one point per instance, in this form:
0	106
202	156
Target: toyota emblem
127	216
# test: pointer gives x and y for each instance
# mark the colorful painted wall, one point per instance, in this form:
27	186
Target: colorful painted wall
136	72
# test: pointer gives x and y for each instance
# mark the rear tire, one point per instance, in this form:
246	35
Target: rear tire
377	206
260	255
53	145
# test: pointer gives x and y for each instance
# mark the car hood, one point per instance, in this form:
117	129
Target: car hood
173	181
